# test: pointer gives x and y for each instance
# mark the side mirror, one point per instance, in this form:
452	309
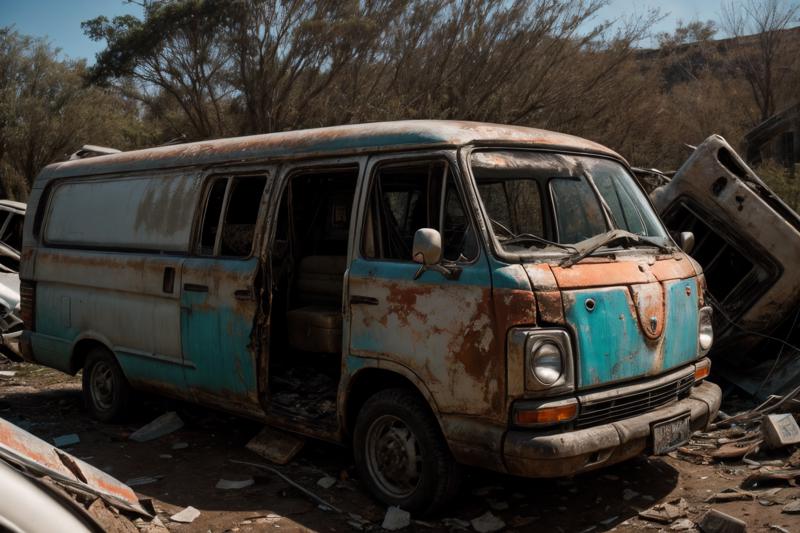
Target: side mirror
427	251
687	241
427	248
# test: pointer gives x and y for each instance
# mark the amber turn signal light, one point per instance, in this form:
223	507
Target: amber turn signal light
702	369
545	415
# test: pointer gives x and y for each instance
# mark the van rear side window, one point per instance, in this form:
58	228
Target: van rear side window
240	199
143	213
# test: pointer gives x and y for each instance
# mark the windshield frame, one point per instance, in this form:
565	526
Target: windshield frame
550	254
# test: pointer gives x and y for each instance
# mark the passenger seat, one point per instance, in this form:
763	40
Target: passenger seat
316	326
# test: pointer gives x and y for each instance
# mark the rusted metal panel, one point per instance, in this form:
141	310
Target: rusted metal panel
441	330
623	271
19	447
615	344
150	213
550	307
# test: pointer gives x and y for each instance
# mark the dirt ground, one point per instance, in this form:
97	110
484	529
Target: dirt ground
48	403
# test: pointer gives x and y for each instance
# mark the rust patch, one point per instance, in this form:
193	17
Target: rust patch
514	307
648	301
550	307
601	274
669	269
541	276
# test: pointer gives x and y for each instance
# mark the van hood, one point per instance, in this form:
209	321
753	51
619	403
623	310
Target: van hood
629	319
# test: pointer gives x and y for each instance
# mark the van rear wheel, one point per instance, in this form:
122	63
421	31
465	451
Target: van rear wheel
105	389
401	454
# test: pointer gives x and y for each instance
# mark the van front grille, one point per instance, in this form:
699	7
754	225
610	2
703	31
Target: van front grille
593	413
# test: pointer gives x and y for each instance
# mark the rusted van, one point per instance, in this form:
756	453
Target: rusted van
431	293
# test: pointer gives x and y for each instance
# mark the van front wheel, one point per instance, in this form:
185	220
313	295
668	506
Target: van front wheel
105	389
401	454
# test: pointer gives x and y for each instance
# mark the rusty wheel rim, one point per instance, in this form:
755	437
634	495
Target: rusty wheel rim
102	385
393	455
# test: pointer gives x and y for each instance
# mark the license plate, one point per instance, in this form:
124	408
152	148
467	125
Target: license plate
670	434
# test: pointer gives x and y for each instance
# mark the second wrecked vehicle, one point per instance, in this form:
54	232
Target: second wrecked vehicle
433	293
748	242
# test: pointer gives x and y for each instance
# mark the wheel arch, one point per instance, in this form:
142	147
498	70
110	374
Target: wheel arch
373	378
81	348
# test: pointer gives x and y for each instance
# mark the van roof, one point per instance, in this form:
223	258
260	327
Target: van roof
336	140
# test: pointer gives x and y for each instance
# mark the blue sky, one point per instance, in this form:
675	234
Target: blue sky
60	20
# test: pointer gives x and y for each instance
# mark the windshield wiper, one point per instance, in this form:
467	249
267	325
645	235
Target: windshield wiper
530	237
589	246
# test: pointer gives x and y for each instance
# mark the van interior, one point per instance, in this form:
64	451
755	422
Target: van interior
309	257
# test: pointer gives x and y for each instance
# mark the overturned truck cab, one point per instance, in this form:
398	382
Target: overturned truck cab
747	240
431	293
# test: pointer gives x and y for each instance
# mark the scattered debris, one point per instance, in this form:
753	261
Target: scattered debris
108	519
163	425
275	445
7	373
154	526
730	495
180	445
455	523
139	481
666	513
497	505
780	430
682	524
32	454
395	519
326	482
294	484
63	441
629	494
793	507
779	529
715	521
234	484
769	476
186	516
487	523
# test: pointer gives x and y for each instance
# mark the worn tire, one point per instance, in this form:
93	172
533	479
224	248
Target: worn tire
106	392
439	474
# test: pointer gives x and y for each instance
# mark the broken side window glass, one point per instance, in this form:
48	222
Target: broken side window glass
208	234
241	216
405	198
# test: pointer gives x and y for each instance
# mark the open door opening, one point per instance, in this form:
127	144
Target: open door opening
309	258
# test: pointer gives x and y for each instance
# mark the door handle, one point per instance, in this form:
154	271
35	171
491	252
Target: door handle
168	285
194	287
363	300
244	294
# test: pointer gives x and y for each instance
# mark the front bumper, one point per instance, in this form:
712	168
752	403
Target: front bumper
530	454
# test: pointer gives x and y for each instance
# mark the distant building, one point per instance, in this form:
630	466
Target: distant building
776	139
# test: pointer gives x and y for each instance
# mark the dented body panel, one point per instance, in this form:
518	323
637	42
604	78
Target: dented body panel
200	326
748	244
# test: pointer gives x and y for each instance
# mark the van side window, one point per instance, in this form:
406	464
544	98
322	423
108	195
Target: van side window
216	197
405	198
240	197
244	200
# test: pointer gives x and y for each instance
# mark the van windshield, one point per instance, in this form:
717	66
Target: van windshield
561	202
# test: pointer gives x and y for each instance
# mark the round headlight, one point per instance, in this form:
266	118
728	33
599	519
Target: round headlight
546	362
705	330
